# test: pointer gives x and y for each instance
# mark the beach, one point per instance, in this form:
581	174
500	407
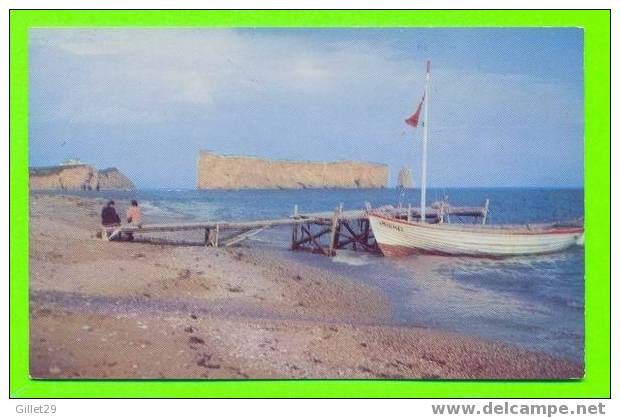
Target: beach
149	311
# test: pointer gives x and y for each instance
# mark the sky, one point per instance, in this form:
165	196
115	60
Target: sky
505	109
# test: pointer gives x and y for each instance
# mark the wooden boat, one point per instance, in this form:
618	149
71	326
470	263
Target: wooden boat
397	237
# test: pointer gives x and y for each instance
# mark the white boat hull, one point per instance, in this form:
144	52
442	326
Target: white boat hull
397	237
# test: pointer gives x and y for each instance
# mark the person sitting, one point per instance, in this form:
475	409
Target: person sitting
109	217
134	216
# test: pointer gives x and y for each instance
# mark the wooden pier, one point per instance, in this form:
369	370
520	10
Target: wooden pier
320	232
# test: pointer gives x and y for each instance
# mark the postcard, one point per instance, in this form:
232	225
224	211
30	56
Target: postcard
306	203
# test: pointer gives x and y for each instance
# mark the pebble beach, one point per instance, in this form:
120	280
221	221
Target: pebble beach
139	310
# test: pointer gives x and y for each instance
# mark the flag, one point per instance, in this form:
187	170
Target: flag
415	118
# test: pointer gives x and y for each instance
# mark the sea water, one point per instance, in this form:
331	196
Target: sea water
536	302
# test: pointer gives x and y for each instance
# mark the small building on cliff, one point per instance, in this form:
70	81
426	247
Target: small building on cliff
216	171
77	177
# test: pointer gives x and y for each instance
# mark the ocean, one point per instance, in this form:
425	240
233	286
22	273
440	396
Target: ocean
535	302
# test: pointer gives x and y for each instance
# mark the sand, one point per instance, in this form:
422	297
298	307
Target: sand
137	310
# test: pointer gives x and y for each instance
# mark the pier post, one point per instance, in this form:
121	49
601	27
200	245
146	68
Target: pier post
295	228
338	227
441	209
334	231
486	211
212	237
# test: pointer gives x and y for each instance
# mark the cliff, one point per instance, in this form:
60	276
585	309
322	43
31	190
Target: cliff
77	177
236	172
112	179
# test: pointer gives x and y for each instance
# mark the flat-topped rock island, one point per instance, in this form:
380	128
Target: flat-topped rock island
216	171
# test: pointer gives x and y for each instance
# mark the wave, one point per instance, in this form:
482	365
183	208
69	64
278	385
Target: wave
152	209
350	259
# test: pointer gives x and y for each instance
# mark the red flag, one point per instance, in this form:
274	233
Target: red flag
415	118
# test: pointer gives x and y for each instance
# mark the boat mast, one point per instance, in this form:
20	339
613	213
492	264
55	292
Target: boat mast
424	142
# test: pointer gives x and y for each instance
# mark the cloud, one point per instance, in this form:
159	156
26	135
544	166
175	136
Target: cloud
145	74
250	91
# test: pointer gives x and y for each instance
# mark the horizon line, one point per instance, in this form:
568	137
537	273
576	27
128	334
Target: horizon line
370	188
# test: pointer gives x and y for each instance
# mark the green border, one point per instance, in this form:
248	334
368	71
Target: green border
597	199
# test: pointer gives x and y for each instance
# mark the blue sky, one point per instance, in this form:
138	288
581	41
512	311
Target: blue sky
506	104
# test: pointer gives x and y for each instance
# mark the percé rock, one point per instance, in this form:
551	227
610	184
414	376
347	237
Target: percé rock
77	177
237	172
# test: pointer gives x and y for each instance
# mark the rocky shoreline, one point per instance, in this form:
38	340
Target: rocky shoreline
78	177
